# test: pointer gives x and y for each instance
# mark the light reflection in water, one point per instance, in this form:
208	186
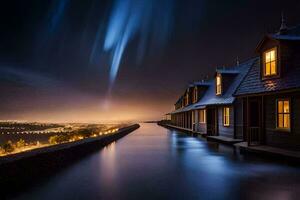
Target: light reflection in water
155	163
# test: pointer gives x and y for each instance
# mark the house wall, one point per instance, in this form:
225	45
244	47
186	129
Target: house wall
282	139
201	127
227	131
238	117
195	118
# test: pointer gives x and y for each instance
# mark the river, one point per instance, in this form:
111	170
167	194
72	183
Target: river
156	163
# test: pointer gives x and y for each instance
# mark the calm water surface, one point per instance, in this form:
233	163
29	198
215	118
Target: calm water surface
156	163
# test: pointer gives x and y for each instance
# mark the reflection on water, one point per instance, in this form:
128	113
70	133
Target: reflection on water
156	163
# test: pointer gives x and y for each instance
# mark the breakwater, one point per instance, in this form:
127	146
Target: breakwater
23	169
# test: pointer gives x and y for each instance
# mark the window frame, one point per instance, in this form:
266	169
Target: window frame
264	63
226	123
218	93
288	129
204	116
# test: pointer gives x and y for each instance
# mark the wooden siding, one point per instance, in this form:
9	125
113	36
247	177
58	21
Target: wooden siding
227	131
275	137
238	116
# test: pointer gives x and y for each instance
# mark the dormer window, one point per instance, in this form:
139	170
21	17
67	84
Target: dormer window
270	62
187	98
218	85
195	95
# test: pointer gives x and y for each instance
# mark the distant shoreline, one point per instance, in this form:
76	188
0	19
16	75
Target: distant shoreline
16	171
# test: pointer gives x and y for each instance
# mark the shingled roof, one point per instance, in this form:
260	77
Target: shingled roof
253	84
290	34
210	97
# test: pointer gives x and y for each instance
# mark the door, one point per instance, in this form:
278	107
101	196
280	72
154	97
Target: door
254	117
194	120
211	121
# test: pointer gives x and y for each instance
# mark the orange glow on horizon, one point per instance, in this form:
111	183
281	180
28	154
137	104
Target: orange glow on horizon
94	112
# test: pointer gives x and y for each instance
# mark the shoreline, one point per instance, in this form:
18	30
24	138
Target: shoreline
25	169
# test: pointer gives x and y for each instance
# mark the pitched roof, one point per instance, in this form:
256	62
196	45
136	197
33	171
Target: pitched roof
180	98
227	97
183	109
253	84
232	70
292	33
202	83
210	97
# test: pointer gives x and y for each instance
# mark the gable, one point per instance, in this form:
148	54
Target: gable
266	43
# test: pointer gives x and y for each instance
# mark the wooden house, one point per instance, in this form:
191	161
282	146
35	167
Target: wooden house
209	107
218	109
257	101
270	92
183	116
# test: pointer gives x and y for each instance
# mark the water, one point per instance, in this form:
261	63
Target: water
156	163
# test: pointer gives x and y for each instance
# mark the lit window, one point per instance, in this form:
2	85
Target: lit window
195	98
270	62
283	114
226	116
202	116
218	85
187	98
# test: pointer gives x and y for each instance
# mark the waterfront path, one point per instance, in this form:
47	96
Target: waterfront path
157	163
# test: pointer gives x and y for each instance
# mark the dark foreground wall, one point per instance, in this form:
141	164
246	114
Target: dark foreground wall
23	170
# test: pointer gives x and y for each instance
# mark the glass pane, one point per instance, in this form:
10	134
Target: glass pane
267	69
273	55
286	106
273	67
280	107
201	115
218	80
224	115
280	121
268	57
286	121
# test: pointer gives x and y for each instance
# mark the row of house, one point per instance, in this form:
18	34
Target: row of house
257	101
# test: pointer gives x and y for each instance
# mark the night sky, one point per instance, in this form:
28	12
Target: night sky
96	60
